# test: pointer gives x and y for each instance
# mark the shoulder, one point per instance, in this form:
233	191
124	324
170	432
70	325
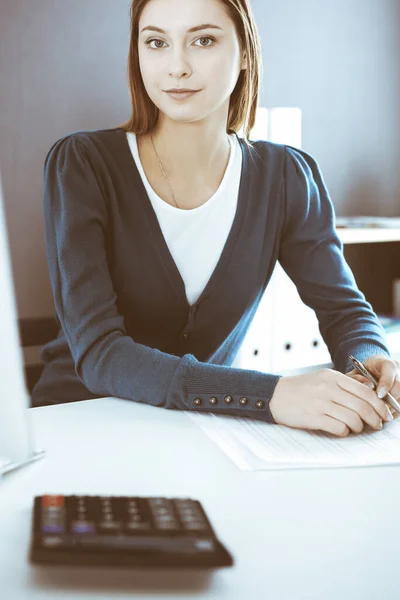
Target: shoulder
84	143
289	157
274	162
301	163
264	160
282	156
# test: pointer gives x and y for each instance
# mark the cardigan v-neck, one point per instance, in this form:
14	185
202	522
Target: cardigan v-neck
167	260
126	328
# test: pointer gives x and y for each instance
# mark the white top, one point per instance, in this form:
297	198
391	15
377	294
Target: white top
196	237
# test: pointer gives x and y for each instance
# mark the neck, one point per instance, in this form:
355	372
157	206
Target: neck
192	152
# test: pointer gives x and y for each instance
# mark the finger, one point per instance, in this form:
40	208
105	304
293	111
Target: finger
347	416
388	372
331	425
362	392
366	412
363	380
352	372
347	400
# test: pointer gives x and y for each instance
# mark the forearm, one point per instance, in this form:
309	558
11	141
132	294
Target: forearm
118	366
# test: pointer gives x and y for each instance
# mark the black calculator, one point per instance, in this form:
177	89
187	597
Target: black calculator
124	531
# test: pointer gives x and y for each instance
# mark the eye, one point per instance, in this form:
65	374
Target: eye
153	40
206	37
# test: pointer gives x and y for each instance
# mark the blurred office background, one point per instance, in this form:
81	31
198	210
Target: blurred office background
63	68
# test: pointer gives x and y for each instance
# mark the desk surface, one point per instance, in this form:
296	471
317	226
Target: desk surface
311	534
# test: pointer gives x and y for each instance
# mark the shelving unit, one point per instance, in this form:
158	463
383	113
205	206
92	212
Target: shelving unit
368	235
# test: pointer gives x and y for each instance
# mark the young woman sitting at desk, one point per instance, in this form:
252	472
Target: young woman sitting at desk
162	235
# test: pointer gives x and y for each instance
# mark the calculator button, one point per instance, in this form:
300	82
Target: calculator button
165	519
134	516
163	510
172	526
52	501
187	512
52	527
83	527
52	541
53	521
137	525
166	522
164	516
110	525
195	526
204	545
160	506
183	502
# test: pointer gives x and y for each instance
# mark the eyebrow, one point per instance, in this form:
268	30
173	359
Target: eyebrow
197	28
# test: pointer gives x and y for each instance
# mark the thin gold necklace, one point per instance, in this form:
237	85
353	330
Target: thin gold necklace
164	173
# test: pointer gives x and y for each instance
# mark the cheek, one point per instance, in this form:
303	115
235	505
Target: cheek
150	75
225	70
148	63
225	80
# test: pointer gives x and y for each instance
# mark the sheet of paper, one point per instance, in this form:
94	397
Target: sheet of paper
255	445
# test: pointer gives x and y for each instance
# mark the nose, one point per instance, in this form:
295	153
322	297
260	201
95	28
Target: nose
179	65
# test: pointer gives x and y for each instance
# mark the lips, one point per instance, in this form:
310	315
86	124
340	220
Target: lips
181	95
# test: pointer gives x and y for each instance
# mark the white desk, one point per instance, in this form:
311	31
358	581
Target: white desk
324	535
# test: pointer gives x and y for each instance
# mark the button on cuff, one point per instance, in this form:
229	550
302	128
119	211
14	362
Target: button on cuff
226	403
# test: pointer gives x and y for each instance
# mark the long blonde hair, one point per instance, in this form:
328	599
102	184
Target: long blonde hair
244	98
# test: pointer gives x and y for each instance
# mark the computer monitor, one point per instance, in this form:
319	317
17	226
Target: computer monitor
16	435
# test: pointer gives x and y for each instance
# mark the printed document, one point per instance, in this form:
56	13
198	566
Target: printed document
254	445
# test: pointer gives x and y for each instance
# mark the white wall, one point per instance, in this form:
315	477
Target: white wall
63	68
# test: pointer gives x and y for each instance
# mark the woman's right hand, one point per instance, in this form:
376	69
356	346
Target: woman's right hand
327	400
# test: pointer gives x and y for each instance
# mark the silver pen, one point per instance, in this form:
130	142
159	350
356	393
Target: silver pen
363	371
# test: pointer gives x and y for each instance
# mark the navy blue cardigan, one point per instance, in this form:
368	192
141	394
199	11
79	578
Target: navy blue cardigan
126	327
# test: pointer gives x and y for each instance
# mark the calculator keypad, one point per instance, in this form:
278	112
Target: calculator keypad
111	529
110	515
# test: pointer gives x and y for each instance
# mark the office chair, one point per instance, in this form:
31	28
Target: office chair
36	331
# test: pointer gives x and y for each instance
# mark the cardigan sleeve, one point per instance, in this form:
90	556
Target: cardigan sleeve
311	253
107	360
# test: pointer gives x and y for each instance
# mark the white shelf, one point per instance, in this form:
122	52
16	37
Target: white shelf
364	235
393	343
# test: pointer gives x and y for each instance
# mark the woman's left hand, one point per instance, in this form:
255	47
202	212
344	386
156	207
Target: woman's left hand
387	372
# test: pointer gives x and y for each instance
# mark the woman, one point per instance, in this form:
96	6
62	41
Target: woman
162	235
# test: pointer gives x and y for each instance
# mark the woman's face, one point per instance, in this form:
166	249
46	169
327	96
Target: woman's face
208	60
